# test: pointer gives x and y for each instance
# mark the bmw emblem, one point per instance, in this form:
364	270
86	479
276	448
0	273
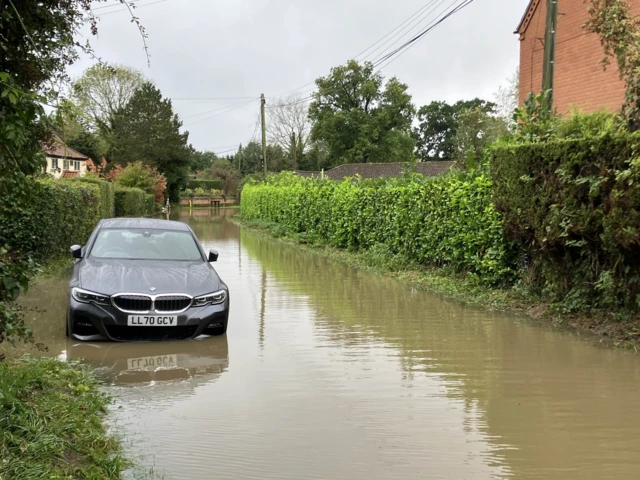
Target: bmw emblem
153	289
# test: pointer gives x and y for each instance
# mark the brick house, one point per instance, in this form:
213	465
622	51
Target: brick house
579	79
64	162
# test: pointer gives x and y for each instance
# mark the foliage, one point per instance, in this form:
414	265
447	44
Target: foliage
445	221
130	202
316	158
139	175
147	129
289	116
619	32
359	120
574	205
199	161
199	192
229	176
205	184
74	132
102	92
476	130
53	423
438	125
248	160
507	98
107	192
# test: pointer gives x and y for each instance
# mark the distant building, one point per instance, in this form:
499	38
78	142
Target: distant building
579	79
64	162
381	170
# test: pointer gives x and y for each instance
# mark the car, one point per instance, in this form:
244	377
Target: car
144	279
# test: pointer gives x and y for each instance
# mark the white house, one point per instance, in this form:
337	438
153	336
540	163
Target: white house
64	162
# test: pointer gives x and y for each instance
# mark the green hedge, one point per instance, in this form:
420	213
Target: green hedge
149	203
130	202
61	214
447	221
204	184
574	205
107	193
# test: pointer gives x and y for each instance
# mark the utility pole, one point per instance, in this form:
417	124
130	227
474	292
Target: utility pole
264	134
294	153
550	49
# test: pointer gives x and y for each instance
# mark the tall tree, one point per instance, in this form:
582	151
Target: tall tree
507	97
438	124
286	118
360	119
103	91
147	129
475	131
199	161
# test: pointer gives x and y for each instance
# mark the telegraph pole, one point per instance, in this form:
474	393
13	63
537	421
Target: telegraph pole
294	153
264	134
550	49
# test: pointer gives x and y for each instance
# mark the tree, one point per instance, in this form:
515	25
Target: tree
200	161
508	97
74	133
286	118
438	123
147	129
359	120
475	131
103	91
316	158
223	170
139	175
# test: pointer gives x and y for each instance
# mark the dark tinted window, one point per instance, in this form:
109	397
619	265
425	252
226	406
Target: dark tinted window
145	244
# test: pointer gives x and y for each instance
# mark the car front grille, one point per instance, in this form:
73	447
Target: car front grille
172	303
133	303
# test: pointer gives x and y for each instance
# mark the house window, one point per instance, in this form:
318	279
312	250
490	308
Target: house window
54	164
76	164
65	164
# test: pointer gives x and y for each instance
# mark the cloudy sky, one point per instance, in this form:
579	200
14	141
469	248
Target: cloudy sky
215	57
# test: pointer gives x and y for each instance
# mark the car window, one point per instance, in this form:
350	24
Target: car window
145	244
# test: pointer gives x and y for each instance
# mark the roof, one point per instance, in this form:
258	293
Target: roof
306	173
143	223
395	169
527	16
70	174
58	149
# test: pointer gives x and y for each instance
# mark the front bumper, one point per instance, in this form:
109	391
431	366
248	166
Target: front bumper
91	322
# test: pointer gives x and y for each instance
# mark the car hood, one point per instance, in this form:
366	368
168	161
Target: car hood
147	276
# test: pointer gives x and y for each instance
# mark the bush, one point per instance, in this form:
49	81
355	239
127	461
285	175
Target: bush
574	204
61	214
150	203
130	202
204	184
444	221
107	195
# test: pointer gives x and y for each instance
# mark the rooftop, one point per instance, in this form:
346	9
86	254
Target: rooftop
143	223
58	149
381	170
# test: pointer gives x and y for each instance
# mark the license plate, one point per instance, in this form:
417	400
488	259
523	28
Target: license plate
152	362
152	321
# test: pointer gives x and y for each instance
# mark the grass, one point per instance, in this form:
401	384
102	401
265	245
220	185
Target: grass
52	423
605	328
55	267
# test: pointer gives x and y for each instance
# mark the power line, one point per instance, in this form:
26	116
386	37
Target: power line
136	6
119	4
390	57
230	108
214	98
219	109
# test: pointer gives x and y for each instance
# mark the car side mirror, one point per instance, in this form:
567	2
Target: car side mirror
76	251
213	255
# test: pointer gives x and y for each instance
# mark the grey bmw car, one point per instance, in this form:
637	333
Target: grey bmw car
145	279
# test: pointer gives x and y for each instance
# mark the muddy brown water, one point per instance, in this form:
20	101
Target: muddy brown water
328	372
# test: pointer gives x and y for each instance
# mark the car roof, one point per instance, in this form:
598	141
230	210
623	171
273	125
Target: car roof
143	223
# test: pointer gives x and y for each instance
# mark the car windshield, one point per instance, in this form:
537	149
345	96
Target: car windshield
145	244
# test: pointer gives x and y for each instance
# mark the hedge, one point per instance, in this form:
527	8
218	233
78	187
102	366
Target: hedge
107	193
149	203
204	184
130	202
61	214
444	221
574	205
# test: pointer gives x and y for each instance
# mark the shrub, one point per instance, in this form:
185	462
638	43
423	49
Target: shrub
204	184
150	204
574	204
130	202
445	221
107	194
61	214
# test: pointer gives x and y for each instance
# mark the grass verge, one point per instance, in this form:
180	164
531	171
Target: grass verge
52	423
607	328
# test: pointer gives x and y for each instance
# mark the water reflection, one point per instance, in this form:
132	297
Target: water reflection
139	363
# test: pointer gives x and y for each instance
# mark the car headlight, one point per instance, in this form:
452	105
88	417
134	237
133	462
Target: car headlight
210	299
85	296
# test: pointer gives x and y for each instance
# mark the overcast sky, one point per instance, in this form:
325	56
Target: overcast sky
242	48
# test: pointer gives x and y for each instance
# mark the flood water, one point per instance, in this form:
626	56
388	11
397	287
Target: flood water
328	372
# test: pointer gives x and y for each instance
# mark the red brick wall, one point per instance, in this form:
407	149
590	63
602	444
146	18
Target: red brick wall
580	80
